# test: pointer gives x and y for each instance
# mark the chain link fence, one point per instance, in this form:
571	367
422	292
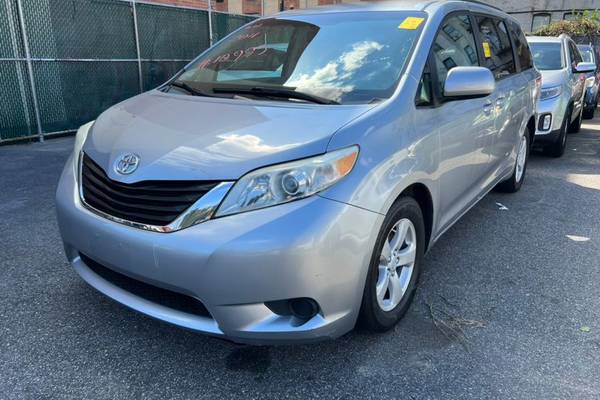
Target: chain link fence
63	62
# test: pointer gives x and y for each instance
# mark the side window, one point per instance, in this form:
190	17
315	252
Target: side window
521	47
496	46
454	46
574	54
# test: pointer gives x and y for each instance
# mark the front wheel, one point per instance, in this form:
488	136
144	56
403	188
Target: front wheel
557	149
589	113
395	266
514	183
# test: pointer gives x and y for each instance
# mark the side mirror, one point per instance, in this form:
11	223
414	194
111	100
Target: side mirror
584	67
469	82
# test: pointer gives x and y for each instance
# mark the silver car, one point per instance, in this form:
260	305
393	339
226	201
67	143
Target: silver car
560	108
285	185
590	102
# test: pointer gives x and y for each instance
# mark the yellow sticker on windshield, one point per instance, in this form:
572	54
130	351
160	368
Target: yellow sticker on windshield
411	23
487	51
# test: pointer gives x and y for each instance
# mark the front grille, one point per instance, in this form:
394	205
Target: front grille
164	297
148	202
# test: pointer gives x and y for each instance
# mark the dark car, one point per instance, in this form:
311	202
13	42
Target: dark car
590	54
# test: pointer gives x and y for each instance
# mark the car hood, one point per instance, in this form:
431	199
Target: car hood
553	78
180	137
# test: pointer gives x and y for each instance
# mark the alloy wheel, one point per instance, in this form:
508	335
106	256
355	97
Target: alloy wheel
521	159
396	264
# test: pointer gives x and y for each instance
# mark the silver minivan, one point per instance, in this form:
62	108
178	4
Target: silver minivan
285	185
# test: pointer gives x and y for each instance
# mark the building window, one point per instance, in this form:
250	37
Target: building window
452	32
539	20
577	14
471	53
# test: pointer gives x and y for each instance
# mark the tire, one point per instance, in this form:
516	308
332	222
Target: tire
575	126
378	317
514	183
589	113
557	149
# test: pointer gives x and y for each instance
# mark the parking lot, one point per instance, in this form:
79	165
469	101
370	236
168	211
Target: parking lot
508	307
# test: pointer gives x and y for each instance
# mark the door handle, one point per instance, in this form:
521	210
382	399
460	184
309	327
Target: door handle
500	101
487	107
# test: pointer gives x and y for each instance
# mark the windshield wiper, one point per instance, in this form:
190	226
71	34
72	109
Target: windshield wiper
191	90
282	93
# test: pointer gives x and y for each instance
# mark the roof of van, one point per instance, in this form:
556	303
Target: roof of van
394	5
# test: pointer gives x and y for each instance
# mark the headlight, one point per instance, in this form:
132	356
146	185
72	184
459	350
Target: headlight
82	134
548	93
282	183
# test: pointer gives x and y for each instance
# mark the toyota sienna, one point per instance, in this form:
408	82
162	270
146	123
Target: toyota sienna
285	184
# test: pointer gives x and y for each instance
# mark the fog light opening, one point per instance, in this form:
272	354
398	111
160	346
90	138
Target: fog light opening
303	308
545	122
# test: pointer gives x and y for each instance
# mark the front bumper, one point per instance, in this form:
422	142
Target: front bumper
557	108
313	248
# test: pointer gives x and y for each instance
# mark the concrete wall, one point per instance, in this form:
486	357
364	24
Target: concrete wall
522	10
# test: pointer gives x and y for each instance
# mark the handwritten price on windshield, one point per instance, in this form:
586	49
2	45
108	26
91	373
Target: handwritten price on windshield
233	56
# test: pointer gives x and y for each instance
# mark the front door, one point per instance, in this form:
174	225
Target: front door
466	127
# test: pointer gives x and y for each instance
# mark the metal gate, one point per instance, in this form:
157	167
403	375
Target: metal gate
63	62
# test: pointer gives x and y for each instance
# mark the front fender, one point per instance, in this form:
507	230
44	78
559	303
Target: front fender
393	156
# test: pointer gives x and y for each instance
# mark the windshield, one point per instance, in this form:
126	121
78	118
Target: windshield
586	54
346	58
547	56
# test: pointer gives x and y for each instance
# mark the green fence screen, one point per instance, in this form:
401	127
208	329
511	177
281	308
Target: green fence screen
84	57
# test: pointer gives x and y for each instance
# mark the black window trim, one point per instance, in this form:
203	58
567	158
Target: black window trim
433	74
480	42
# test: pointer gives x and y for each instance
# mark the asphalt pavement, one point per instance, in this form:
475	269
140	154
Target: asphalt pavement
508	307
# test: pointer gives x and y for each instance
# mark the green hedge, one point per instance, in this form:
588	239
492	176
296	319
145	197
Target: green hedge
585	24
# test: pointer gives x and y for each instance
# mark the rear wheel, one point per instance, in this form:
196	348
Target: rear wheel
557	149
514	183
395	266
